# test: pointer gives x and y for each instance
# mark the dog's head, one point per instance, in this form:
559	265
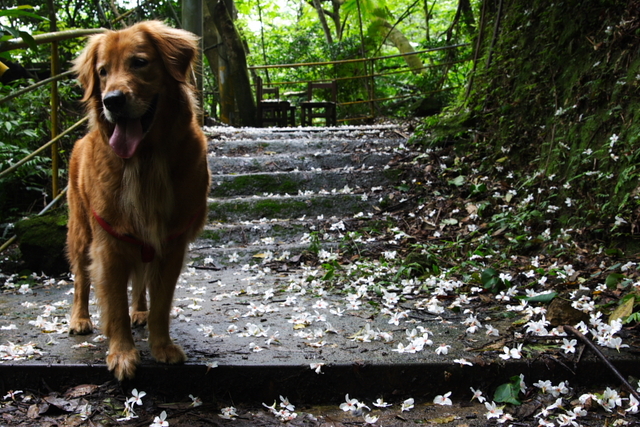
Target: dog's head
124	73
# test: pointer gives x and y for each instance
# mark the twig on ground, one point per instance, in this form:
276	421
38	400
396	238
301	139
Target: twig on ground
203	267
602	357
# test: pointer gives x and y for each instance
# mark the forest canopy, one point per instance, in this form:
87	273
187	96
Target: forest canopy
268	32
294	32
532	82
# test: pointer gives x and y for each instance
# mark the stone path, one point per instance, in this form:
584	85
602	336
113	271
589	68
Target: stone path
252	311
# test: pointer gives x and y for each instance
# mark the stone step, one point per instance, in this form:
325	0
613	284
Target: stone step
203	254
308	161
292	183
345	132
257	232
239	148
230	210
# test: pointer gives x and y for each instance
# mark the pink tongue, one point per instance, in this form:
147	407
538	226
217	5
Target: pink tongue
126	137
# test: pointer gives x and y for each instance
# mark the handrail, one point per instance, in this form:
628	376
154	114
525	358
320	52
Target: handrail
43	147
396	97
34	86
370	73
350	61
13	238
49	37
362	76
53	38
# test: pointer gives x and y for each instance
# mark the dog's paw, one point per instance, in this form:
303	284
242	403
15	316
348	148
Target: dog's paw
80	326
123	363
139	318
170	353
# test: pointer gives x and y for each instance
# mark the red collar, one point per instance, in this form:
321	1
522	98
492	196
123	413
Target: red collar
147	251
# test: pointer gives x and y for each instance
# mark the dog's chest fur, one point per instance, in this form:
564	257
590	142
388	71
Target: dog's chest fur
147	198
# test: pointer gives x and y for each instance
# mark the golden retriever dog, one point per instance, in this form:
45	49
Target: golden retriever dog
138	184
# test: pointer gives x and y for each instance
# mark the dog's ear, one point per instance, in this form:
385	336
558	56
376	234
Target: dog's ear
85	67
178	48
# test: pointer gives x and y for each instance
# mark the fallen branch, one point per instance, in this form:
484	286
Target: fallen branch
204	267
586	341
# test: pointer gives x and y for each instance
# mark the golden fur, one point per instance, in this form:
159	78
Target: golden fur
154	188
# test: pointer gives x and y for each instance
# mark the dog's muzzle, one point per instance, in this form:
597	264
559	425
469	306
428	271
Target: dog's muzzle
128	131
114	101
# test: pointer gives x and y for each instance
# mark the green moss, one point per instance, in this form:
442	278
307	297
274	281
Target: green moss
224	211
214	235
286	208
393	174
557	88
256	184
42	242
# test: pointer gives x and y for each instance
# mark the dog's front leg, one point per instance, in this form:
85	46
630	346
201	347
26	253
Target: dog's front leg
111	272
80	322
139	307
78	239
161	288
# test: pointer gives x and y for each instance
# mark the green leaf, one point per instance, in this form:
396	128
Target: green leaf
487	275
458	181
508	393
542	297
15	33
614	252
331	271
29	40
613	279
635	317
18	13
491	283
478	189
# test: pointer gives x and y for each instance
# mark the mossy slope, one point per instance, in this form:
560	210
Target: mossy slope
554	102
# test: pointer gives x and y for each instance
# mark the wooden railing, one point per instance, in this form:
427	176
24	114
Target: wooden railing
53	39
370	77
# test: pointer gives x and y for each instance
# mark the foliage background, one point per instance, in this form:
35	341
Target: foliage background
274	32
553	106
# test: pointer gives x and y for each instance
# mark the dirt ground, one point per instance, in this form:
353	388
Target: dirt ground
105	405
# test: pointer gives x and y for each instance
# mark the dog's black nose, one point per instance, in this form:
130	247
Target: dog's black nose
114	101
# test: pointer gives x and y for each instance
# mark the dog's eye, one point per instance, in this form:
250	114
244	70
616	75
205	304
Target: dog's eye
139	62
102	72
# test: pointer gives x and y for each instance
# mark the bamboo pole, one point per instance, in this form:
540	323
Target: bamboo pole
34	86
192	21
366	76
55	119
44	147
48	38
351	61
13	238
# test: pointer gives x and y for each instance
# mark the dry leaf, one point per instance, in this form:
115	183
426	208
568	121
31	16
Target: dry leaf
81	390
443	420
36	410
65	405
623	311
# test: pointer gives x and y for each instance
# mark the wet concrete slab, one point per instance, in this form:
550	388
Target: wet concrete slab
256	320
247	338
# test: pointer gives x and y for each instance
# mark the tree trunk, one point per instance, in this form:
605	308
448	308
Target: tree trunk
211	47
233	77
323	21
402	44
464	13
336	18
